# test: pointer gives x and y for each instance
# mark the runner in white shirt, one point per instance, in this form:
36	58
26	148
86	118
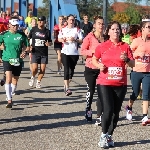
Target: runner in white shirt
70	36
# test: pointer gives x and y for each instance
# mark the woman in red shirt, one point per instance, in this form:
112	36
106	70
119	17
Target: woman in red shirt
57	44
90	42
112	80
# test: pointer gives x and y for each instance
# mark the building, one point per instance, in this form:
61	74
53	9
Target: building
16	7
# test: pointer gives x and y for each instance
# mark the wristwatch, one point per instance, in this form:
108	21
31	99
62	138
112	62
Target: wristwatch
127	60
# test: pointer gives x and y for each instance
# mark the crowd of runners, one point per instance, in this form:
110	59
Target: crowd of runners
107	52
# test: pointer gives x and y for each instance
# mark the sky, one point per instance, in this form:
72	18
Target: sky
41	4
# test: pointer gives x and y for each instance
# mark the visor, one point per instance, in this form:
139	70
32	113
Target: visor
143	20
14	22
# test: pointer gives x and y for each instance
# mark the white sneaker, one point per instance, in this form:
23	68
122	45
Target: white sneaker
38	85
145	121
31	82
128	114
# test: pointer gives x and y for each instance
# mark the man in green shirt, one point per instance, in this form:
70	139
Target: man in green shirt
12	56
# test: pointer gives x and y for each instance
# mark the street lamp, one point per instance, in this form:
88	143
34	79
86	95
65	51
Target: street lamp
105	4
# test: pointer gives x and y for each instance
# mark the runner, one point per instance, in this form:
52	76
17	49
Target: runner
112	80
13	41
41	39
27	31
141	71
86	26
90	42
57	44
70	36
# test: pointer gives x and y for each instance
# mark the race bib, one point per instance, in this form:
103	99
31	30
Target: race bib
115	73
39	42
145	59
14	62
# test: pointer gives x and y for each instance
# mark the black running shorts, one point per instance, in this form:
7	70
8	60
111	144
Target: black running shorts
16	70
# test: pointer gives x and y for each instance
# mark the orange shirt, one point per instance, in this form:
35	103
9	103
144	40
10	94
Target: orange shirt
141	54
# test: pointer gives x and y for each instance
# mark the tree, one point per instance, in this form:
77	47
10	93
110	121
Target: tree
93	8
134	13
121	18
44	10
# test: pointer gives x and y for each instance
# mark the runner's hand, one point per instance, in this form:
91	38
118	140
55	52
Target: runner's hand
2	47
123	56
23	55
47	43
72	39
101	66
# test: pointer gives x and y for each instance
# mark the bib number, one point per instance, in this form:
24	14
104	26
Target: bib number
14	62
39	42
145	59
115	73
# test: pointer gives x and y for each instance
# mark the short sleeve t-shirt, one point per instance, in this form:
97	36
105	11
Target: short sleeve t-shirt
139	47
13	43
39	38
115	73
56	32
69	47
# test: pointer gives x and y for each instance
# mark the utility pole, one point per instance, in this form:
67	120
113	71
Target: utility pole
0	6
105	4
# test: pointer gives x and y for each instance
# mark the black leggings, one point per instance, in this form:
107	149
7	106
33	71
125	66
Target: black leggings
69	62
90	78
111	98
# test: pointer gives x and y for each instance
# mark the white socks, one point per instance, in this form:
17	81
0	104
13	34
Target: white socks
8	91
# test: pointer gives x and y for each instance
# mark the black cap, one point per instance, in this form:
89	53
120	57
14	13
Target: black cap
42	18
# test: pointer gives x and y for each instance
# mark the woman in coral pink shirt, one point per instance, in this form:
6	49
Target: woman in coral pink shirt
141	72
112	80
90	42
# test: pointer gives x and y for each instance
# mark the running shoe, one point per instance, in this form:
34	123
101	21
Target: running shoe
139	97
38	85
9	105
98	121
88	115
31	82
110	141
68	92
103	143
128	113
2	82
145	121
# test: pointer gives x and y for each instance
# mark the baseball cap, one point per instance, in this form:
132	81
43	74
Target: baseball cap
14	22
42	18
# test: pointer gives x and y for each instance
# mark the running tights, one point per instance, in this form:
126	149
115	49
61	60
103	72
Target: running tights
111	98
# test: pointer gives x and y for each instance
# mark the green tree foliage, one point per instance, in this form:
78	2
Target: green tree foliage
93	8
134	13
44	10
